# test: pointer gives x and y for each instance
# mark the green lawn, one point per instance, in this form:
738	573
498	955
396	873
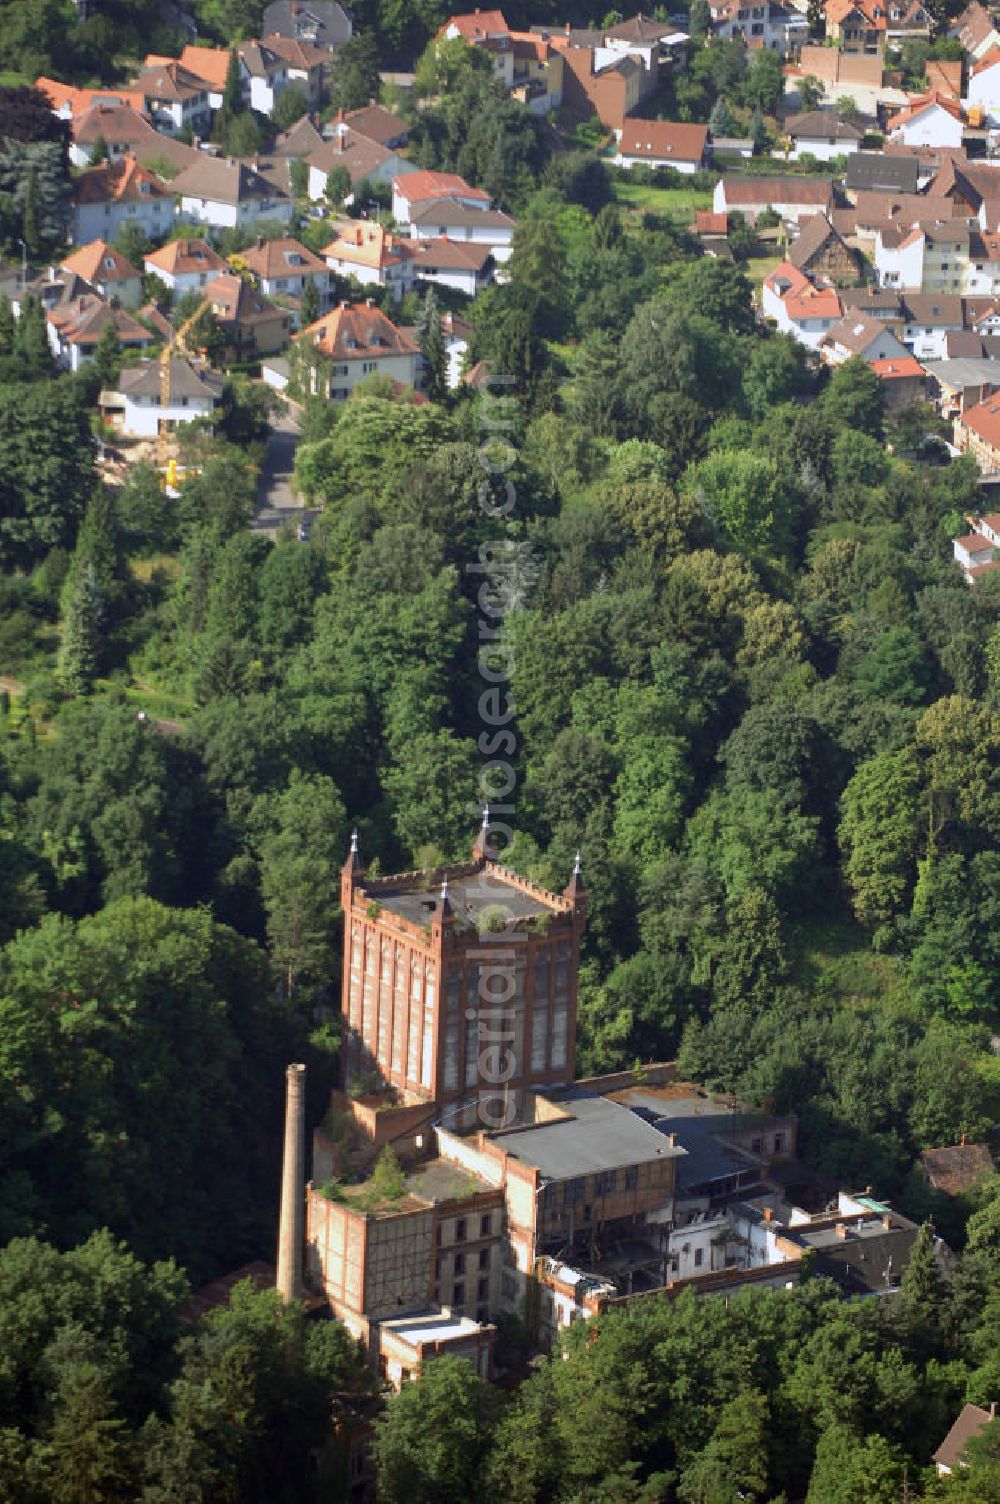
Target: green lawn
759	267
680	202
10	78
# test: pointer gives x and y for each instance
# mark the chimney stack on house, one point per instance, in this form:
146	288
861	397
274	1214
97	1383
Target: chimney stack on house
291	1227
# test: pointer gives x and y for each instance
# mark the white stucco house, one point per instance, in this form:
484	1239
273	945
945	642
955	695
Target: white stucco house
184	265
224	192
372	255
798	307
136	409
930	120
822	134
350	343
663	143
115	194
452	219
417	188
984	84
860	336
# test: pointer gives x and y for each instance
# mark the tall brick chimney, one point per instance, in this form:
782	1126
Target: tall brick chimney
291	1228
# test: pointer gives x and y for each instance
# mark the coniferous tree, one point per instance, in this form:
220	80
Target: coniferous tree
310	303
32	343
922	1292
107	356
83	619
721	122
99	151
8	328
432	349
232	92
29	217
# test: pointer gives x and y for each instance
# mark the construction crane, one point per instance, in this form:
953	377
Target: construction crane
173	347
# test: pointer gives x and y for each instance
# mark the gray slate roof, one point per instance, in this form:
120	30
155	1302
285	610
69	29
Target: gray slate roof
873	171
186	380
319	21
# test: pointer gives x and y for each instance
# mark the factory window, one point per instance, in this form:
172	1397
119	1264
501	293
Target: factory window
484	1258
460	1230
631	1177
483	1289
779	1143
460	1263
757	1146
482	1315
575	1191
699	1255
484	1226
458	1295
437	1234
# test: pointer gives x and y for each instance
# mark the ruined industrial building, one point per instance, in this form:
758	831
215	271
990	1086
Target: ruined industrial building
462	1175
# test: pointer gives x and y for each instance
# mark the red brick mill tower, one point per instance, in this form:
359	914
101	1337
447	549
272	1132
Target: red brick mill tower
460	984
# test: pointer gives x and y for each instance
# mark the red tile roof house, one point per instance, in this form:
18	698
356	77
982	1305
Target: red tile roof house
791	197
420	187
277	63
118	193
956	1168
928	120
363	159
905	381
75	329
372	255
799	308
975	29
281	268
107	271
977	432
185	265
251	324
174	98
477	26
347	345
663	143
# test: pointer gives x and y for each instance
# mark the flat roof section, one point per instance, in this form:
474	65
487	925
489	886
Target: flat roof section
471	895
432	1325
440	1180
599	1135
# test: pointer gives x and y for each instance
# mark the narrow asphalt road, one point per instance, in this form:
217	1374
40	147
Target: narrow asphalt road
276	502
